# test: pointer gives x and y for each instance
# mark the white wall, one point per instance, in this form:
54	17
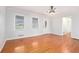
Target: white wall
57	24
28	30
54	24
75	26
2	26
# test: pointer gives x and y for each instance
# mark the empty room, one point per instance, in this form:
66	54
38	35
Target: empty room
39	29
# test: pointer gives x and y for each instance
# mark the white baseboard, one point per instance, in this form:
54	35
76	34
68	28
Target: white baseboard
31	36
75	36
58	34
2	46
26	36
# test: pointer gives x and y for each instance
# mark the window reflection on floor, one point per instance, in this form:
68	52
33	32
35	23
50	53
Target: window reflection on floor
35	45
19	49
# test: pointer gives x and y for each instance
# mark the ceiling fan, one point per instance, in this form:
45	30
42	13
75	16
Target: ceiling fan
52	10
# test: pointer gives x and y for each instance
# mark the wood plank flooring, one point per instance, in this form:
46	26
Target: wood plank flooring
48	43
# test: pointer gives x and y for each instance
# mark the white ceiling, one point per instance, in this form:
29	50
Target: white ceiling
44	9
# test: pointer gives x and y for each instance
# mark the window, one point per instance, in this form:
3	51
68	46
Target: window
19	22
34	22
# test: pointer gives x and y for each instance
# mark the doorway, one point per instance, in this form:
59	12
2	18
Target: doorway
66	25
66	28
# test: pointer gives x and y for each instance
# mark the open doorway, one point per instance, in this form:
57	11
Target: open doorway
66	29
66	25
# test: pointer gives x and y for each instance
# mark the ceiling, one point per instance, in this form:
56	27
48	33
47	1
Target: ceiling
44	9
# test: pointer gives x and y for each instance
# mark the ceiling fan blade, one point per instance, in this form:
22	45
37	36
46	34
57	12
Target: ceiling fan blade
49	11
51	7
54	8
54	11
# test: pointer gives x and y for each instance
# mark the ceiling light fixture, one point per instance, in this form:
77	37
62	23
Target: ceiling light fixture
52	10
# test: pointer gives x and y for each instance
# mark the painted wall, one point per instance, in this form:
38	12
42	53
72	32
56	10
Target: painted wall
2	25
75	26
28	30
57	25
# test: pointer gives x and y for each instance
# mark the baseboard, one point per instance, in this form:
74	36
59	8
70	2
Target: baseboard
18	37
32	36
3	45
75	38
58	34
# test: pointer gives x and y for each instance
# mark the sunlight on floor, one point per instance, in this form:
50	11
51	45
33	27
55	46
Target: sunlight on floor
65	49
19	49
35	45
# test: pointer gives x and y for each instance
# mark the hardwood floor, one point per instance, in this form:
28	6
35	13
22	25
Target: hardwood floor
42	44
